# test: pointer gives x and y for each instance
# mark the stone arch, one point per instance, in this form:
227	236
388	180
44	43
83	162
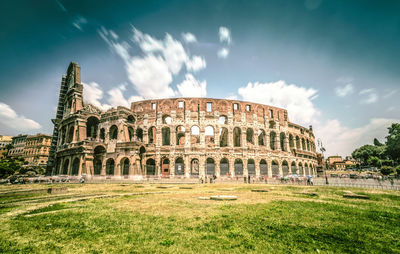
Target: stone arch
124	164
272	140
297	142
92	124
165	167
224	167
150	167
166	136
282	137
223	119
110	165
285	168
293	168
250	136
131	133
71	134
238	167
236	137
194	166
301	169
98	155
291	141
308	145
195	134
210	166
102	134
131	119
180	135
275	168
223	137
65	167
152	135
179	166
75	167
306	171
261	137
139	134
251	167
113	132
209	134
263	168
166	119
303	144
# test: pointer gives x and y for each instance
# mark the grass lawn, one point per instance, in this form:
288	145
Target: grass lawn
133	218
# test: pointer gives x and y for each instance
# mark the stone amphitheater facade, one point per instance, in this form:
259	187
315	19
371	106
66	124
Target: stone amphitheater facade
178	137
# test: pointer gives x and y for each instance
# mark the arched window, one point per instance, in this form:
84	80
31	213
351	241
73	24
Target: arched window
263	168
301	172
195	135
65	167
291	141
152	134
224	167
210	166
124	166
275	168
150	167
251	167
110	167
222	119
285	168
166	136
282	141
249	135
102	134
236	136
139	134
303	144
131	133
131	119
297	142
179	166
238	167
261	137
113	133
223	137
293	168
272	140
71	134
308	145
194	167
167	119
92	125
75	167
99	153
209	134
180	135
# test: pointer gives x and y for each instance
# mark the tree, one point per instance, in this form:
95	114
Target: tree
9	166
386	170
374	161
364	152
393	142
377	143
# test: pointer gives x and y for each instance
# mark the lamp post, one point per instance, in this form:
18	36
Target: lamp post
322	149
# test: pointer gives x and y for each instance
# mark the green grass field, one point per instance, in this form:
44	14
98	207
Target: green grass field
133	218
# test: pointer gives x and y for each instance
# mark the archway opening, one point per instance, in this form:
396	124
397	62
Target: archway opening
210	166
263	168
224	167
251	167
179	166
238	167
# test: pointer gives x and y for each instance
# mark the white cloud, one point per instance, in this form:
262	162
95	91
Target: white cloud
343	91
225	35
370	96
389	93
231	97
153	73
12	120
223	53
78	22
92	94
296	99
116	97
191	87
196	63
342	140
189	38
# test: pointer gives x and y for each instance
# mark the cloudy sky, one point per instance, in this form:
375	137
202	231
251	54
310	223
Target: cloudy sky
333	64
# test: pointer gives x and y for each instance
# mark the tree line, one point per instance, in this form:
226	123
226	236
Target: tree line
385	156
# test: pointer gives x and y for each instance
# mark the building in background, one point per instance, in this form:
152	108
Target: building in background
36	150
18	145
4	142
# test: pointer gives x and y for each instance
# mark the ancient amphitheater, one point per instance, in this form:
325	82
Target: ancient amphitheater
179	137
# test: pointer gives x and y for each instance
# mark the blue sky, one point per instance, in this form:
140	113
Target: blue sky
332	64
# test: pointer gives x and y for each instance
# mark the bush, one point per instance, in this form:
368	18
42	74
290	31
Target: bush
387	170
